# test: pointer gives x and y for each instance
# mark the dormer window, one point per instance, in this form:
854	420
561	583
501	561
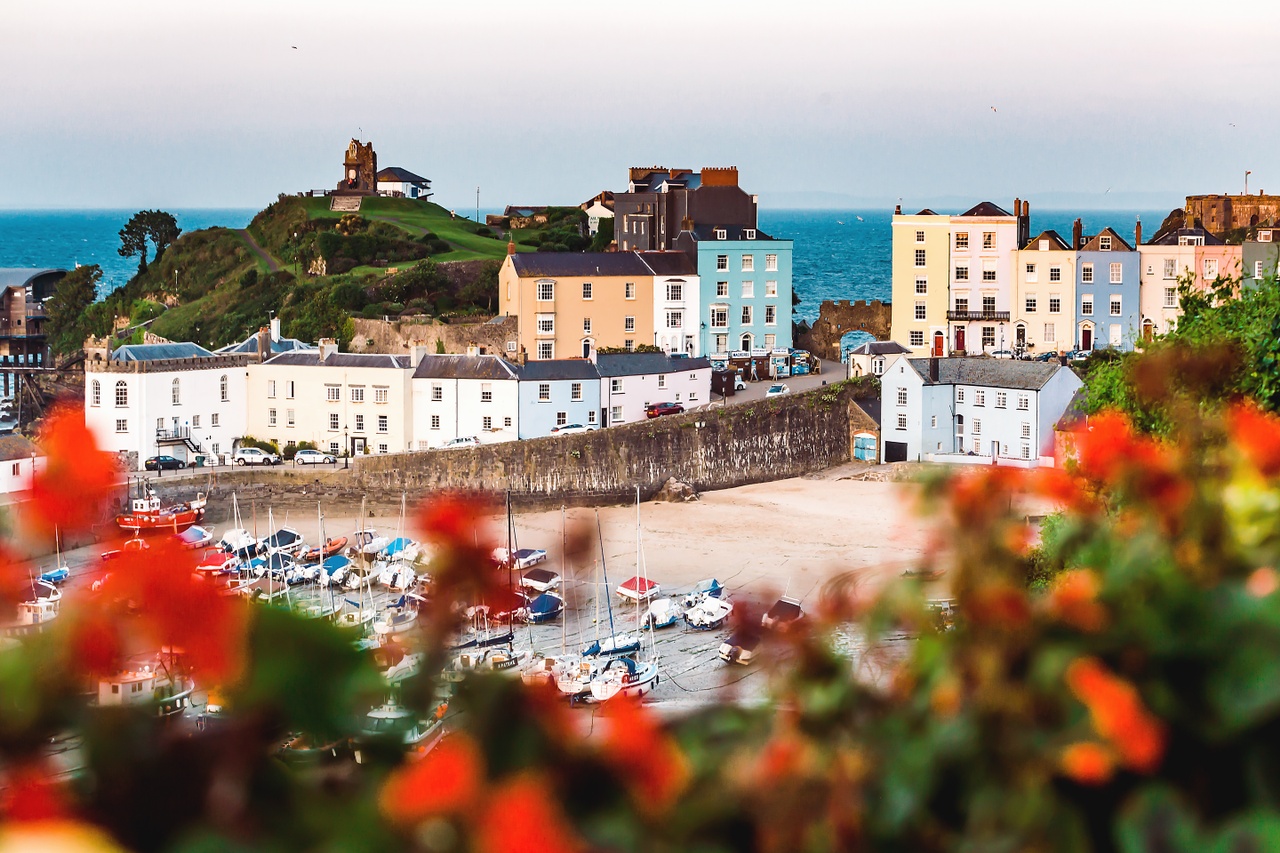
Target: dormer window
1104	242
751	233
721	234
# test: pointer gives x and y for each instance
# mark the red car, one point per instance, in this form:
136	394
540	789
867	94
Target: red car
657	410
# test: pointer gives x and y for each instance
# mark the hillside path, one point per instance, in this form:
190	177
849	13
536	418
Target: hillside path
271	262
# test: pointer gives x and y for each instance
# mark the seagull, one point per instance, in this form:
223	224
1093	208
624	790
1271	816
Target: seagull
994	110
1232	123
294	46
1108	190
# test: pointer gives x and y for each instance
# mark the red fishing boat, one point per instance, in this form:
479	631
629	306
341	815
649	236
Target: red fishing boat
147	515
331	547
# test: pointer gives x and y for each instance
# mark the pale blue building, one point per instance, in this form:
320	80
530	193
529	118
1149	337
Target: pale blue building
1108	272
557	393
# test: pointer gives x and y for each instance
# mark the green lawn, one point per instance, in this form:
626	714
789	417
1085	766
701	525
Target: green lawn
418	217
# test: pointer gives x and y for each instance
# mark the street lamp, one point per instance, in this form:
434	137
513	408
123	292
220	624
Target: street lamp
346	454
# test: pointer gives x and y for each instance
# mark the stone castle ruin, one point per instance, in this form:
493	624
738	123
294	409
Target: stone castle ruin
359	170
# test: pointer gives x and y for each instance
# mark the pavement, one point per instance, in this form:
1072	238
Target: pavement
832	372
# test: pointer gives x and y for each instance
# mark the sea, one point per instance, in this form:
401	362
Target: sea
838	254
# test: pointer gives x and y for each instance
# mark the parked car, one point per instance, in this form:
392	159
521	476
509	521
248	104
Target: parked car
313	457
1002	353
1079	355
161	463
777	390
461	441
571	429
256	456
657	410
738	383
1046	356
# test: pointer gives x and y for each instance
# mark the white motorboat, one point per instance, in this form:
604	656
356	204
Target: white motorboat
392	721
662	613
708	614
626	677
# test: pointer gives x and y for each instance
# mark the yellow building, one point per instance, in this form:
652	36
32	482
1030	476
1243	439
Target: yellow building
921	258
1045	295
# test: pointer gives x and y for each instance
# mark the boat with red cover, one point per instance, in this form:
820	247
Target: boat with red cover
318	554
147	515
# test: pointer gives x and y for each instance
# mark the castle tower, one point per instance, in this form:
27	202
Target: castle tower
359	170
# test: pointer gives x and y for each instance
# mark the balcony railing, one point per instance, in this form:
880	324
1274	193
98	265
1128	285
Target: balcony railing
979	316
179	434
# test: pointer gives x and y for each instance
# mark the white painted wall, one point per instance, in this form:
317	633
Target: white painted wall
686	338
632	394
461	411
16	474
900	376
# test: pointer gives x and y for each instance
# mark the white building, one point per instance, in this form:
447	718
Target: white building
459	395
676	302
401	183
870	358
175	399
19	460
342	402
267	340
972	409
630	382
598	208
984	244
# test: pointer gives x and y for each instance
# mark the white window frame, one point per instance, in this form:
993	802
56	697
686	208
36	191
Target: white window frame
771	263
1117	273
546	291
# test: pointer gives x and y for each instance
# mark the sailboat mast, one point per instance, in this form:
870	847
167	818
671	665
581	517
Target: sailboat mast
604	568
564	579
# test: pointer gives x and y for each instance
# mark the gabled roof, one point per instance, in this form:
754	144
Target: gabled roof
311	358
395	173
465	367
524	210
560	368
646	363
279	345
986	209
157	352
552	264
880	348
988	372
1172	235
926	212
732	232
669	263
1091	243
1054	238
17	447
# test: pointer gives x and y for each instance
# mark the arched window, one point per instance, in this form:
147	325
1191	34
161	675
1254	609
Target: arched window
122	394
223	383
95	393
177	393
746	342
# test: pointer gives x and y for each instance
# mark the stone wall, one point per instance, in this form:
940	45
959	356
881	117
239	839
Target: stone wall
835	318
394	336
1219	213
715	449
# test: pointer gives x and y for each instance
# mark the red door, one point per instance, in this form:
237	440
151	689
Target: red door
939	343
1086	339
960	339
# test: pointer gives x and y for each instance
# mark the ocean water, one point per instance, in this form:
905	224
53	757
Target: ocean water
838	254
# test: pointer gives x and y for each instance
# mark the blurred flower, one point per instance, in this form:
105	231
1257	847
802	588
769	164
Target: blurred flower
95	646
520	815
946	697
1117	713
1262	582
978	497
1088	762
15	578
998	604
643	754
29	794
453	518
1108	446
56	836
1257	433
69	492
446	781
1073	600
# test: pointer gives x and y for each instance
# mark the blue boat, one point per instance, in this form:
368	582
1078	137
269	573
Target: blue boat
544	608
334	569
703	589
55	576
394	547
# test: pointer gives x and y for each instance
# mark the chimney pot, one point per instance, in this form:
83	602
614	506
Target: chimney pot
1077	233
897	209
1137	233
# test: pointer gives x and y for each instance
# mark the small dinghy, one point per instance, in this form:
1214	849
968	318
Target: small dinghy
544	608
540	580
333	571
331	548
704	589
195	537
638	589
708	614
662	613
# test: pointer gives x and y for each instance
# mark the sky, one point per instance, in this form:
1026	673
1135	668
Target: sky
129	104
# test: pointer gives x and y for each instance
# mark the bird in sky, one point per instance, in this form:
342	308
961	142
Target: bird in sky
1232	123
994	110
294	46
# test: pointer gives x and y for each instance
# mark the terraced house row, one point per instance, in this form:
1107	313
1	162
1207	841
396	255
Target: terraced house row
979	282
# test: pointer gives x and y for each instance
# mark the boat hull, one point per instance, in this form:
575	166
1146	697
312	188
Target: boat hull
165	521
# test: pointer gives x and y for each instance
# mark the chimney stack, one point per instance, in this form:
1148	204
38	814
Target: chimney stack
933	368
897	210
1026	208
1077	234
522	356
327	347
275	328
417	351
511	247
472	349
1137	233
264	344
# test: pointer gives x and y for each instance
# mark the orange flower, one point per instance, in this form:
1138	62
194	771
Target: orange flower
1088	763
15	579
1262	582
69	492
644	755
31	795
1117	713
946	697
1074	600
1258	435
978	497
446	781
521	816
999	604
463	566
453	518
1107	447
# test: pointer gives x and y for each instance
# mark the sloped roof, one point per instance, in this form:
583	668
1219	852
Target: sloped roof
560	368
732	232
311	358
880	348
986	208
465	367
988	372
17	447
157	352
1052	236
1091	243
1075	415
278	345
926	212
395	173
22	276
646	363
552	264
669	263
1172	235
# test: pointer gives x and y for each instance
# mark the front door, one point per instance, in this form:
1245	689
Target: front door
960	339
1086	339
959	433
1020	337
939	344
357	446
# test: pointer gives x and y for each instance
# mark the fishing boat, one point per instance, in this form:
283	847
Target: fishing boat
216	562
493	659
319	553
544	608
704	589
333	571
280	566
662	613
373	546
357	619
155	689
147	514
34	614
520	558
638	589
237	539
547	669
741	646
393	723
626	677
400	617
708	614
195	537
286	540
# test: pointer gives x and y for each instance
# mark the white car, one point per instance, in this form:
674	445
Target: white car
255	456
461	441
571	429
313	457
777	390
739	384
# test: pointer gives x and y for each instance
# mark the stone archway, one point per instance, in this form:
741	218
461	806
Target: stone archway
836	318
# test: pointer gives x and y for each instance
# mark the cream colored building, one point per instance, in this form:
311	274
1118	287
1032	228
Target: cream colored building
921	261
1045	297
343	402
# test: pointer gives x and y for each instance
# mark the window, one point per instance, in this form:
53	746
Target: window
437	392
357	394
770	288
1086	305
770	263
289	389
722	262
922	286
979	398
1055	273
332	393
1257	269
629	345
770	341
213	419
629	290
271	417
359	423
591	417
1117	273
160	425
959	395
384	423
291	443
544	392
176	393
615	415
586	325
988	240
748	289
1031	272
746	315
1002	400
486	422
1104	242
615	386
546	291
546	324
1055	304
1116	331
719	317
933	421
749	233
222	384
902	396
95	393
917	338
575	391
546	350
122	426
1026	451
675	319
629	324
1170	268
586	290
722	234
748	263
122	394
962	273
1026	429
290	419
1030	304
382	448
435	422
1023	402
988	274
1170	297
722	343
662	380
333	447
919	236
1086	273
506	422
722	289
333	421
195	422
988	304
977	427
1115	305
920	257
962	304
562	418
675	292
1210	267
1050	333
271	388
920	313
902	421
962	241
380	395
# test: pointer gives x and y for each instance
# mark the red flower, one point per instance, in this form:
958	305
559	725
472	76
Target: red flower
521	816
1088	763
15	579
78	478
453	518
1117	713
643	754
1074	600
31	795
1258	435
998	604
446	781
1107	447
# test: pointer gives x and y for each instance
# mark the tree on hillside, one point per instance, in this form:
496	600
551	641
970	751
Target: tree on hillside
68	325
162	228
157	226
133	241
482	291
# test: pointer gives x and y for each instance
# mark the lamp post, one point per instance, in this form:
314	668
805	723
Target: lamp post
346	453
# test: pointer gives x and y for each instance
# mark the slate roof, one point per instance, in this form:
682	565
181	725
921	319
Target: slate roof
1170	237
279	345
17	447
870	405
465	367
986	208
926	212
988	372
669	263
1075	415
395	173
732	232
560	368
156	352
880	348
553	264
1091	243
1052	236
311	358
646	363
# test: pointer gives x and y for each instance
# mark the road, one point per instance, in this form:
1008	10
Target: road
271	262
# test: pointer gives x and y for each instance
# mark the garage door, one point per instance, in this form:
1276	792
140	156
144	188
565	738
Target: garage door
895	451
